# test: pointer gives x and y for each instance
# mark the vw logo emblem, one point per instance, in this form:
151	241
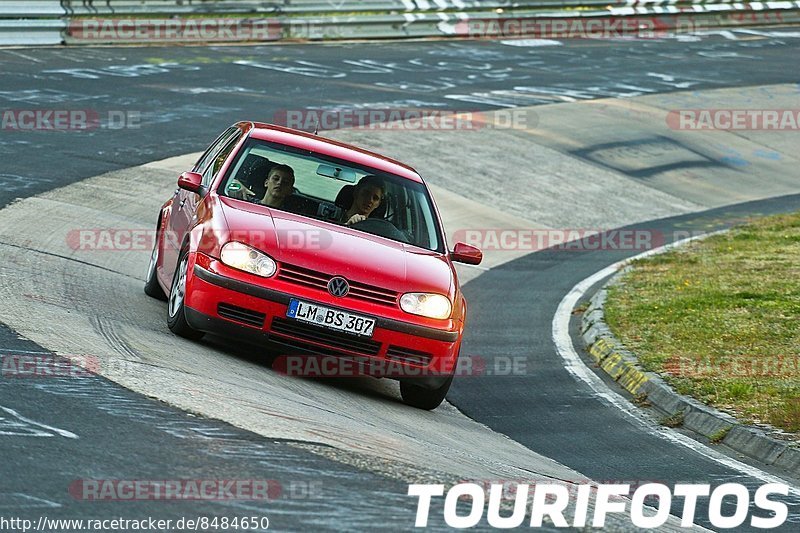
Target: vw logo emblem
338	287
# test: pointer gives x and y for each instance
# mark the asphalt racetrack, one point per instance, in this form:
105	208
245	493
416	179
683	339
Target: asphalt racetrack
596	153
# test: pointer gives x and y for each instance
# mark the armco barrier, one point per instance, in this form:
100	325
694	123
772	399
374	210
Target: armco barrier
331	7
158	21
305	7
32	32
32	22
30	9
421	24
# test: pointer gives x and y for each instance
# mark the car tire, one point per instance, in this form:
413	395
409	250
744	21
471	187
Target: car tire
151	286
176	318
422	398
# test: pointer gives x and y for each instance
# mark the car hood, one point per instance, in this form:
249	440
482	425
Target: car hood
337	250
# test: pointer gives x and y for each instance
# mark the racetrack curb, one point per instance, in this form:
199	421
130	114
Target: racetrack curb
622	365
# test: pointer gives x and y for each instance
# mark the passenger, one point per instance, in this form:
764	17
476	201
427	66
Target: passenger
367	196
279	184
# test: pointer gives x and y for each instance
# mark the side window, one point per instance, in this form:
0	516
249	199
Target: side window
212	150
220	157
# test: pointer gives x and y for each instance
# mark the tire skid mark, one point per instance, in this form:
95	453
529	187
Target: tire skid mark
107	329
68	258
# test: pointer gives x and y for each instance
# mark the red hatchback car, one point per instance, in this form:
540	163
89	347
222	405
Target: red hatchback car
317	249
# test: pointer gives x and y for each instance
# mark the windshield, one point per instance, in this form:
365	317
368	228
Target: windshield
334	191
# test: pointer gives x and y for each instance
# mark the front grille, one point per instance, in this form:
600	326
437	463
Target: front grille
240	314
303	276
318	280
406	355
328	338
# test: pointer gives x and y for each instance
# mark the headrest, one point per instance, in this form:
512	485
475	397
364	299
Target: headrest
253	173
345	197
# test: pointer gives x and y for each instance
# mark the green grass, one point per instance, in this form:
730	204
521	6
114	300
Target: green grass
719	436
674	420
719	319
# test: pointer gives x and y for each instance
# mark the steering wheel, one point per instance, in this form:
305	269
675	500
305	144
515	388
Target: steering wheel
382	228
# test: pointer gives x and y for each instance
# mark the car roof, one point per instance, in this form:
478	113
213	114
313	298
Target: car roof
329	147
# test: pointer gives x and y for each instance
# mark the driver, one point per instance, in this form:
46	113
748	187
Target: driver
367	196
279	185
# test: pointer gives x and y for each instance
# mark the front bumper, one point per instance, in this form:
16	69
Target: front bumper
221	304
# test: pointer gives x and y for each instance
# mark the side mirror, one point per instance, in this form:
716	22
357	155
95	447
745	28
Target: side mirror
191	181
464	253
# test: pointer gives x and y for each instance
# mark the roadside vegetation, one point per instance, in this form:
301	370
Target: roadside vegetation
719	319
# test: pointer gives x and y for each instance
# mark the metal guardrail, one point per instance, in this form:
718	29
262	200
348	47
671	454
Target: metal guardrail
32	22
304	7
30	9
152	21
32	32
57	8
420	25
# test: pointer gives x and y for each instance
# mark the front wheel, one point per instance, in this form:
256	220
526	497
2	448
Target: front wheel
176	318
422	398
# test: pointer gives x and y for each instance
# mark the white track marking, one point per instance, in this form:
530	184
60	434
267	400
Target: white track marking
575	366
62	432
23	56
531	42
32	502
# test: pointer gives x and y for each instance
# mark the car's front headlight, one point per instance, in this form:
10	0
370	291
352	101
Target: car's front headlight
426	304
242	257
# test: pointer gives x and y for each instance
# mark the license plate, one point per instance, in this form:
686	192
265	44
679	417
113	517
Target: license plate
330	318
